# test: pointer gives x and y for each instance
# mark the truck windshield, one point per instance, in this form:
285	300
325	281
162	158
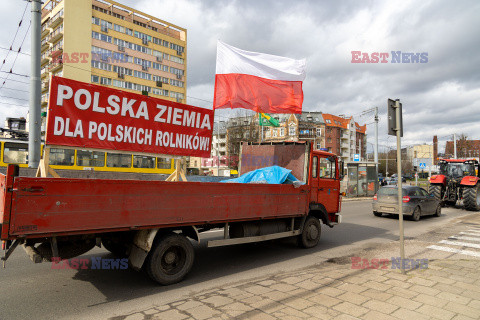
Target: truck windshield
456	170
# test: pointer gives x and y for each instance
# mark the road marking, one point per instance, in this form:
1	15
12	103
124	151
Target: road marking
474	230
471	234
453	250
463	244
464	238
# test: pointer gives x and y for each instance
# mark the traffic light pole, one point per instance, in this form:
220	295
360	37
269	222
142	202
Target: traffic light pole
399	183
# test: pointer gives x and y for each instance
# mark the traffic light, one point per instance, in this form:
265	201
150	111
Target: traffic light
415	168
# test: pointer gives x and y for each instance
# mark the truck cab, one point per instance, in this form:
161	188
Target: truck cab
324	180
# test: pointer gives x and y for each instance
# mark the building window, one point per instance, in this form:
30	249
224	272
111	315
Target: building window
291	131
106	81
95	79
282	132
319	132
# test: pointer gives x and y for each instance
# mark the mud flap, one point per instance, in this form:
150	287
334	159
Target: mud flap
142	244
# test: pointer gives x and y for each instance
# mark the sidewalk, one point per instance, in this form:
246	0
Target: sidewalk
448	289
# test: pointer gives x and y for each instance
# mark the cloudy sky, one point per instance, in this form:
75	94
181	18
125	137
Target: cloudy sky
440	97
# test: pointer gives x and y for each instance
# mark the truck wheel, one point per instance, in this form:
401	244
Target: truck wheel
116	248
170	259
311	233
471	198
437	192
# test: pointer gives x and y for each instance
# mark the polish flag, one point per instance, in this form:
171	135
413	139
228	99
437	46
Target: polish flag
257	81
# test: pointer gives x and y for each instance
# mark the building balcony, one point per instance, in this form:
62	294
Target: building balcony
344	145
45	31
44	100
44	60
55	52
54	37
345	136
56	20
45	85
55	66
44	45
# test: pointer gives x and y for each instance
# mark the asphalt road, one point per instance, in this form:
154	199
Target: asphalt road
29	290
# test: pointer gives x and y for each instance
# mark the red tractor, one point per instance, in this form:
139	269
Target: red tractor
458	179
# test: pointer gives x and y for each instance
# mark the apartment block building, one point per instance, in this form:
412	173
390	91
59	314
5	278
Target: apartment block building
345	137
107	43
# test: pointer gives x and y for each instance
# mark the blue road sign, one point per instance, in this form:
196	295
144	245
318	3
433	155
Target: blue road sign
422	165
356	157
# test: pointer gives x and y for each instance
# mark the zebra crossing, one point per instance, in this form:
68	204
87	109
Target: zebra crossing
464	243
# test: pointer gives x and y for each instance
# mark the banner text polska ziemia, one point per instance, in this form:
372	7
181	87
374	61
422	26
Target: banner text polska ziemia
130	108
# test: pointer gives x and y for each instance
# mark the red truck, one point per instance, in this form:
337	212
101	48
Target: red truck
152	222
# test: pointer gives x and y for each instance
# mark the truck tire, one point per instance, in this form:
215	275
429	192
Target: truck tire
66	249
436	189
116	248
471	198
311	233
170	259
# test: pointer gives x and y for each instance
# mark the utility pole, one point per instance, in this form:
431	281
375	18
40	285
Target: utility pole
454	146
34	112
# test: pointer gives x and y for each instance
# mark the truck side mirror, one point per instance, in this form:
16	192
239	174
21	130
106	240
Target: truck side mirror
342	169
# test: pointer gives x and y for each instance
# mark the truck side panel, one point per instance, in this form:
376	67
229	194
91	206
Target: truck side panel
6	183
293	156
43	206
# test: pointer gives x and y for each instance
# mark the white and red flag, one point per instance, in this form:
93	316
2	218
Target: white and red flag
257	81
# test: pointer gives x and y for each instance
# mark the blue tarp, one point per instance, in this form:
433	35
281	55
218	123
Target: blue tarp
269	175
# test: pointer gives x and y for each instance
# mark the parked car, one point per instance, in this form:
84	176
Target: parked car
395	176
417	202
390	181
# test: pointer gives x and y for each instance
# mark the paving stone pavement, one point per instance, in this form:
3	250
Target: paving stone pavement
448	289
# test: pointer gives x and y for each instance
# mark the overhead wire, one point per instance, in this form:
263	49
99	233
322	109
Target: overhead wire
15	36
14	98
13	89
24	53
16	74
16	57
